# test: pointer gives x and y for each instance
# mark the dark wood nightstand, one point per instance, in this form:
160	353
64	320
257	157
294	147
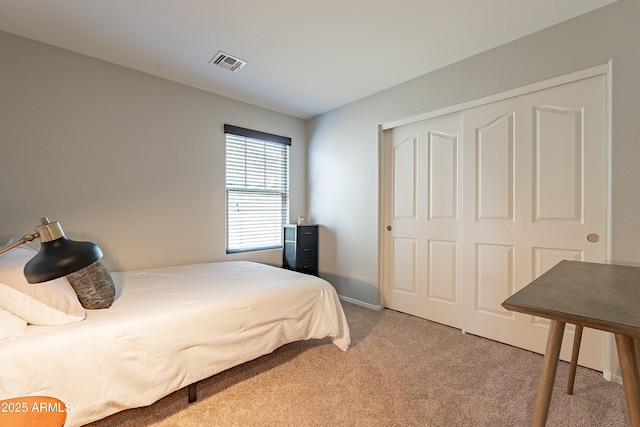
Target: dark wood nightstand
301	248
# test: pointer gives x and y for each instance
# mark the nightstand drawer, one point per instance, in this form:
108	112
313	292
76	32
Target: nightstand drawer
307	234
307	265
306	250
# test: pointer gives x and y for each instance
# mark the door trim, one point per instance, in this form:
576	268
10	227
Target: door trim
522	90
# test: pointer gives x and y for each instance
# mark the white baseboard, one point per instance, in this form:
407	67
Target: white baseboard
613	378
361	303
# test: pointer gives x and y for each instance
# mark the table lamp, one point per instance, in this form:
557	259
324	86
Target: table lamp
58	255
79	261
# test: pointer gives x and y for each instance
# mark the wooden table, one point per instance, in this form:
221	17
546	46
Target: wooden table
36	411
599	296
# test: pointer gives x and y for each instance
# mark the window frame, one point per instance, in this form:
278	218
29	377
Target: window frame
241	185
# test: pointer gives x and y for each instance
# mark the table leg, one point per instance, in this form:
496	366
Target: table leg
548	376
630	376
577	339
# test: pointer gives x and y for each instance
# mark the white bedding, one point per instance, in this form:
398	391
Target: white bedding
168	328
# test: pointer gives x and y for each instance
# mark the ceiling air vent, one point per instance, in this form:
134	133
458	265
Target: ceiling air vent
227	61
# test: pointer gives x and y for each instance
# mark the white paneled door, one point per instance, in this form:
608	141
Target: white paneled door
481	202
535	195
423	244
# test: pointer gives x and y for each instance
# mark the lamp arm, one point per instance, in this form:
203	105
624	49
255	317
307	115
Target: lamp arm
26	238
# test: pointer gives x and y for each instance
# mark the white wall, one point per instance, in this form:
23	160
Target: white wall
130	161
343	144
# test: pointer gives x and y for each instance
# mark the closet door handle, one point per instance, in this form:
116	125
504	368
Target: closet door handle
593	238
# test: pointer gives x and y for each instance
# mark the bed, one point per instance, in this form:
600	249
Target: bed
167	329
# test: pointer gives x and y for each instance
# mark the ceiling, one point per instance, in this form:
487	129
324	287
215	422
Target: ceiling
304	57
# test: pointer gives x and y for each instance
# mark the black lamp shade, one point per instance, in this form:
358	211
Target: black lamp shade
60	257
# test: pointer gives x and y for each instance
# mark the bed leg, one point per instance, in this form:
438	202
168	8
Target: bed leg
193	392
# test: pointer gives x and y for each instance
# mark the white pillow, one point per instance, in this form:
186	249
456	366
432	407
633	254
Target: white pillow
10	325
48	303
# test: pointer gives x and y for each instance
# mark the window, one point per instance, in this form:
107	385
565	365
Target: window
257	189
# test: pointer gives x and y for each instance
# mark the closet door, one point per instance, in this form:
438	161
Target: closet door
422	219
534	194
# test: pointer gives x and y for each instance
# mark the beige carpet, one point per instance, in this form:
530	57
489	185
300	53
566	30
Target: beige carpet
399	371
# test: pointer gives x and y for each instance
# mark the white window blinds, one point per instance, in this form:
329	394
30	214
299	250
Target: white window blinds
257	189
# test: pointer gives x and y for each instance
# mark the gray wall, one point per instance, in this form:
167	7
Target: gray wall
343	144
130	161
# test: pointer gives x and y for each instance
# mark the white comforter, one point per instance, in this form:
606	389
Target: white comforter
168	328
